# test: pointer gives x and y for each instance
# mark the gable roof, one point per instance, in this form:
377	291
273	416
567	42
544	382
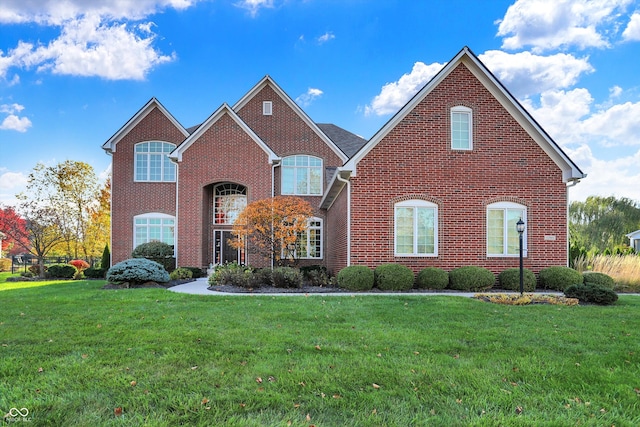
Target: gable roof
346	141
268	81
153	103
213	118
570	171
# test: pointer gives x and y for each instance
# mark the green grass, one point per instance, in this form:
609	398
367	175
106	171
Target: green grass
70	351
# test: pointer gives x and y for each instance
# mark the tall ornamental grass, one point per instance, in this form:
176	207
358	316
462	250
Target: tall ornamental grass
624	269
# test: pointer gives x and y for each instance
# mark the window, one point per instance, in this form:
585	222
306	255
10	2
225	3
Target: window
309	243
267	108
461	128
154	227
152	162
229	200
502	236
302	175
416	228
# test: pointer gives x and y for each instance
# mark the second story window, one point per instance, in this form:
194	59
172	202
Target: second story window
461	128
152	162
302	175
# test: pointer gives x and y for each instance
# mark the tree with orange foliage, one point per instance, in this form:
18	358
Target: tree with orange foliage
270	227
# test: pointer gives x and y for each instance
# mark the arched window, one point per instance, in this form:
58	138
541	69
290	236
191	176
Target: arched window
461	128
502	236
154	227
229	200
152	162
416	228
302	175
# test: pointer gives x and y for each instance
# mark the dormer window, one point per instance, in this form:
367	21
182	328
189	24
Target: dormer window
267	108
461	128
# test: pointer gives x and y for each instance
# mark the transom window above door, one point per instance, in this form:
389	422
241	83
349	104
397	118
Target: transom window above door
152	162
229	200
302	175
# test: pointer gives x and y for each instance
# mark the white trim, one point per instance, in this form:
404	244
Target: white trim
504	206
415	204
462	110
154	215
267	108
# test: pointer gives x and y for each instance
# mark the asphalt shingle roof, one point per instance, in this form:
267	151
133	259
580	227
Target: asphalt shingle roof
346	141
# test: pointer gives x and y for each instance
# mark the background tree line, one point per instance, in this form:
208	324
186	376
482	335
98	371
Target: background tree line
64	211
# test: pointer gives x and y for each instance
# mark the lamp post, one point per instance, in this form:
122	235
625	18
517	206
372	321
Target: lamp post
520	228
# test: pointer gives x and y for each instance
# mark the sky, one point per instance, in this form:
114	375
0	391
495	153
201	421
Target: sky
72	72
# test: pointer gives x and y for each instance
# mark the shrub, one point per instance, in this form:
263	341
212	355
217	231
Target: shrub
79	264
181	274
599	279
393	277
316	275
432	278
231	274
356	278
79	275
509	280
94	273
558	278
287	277
62	271
593	293
5	264
159	252
261	277
105	261
137	271
471	278
27	274
35	269
196	272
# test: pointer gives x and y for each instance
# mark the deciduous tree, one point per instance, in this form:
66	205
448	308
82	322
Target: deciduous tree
270	227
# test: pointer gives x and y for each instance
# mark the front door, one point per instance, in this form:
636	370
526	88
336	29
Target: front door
223	252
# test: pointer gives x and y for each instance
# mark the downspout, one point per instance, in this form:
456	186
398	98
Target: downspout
572	183
348	184
175	226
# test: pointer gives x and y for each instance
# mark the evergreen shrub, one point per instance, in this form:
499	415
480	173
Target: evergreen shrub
598	278
261	277
287	277
94	273
160	252
557	278
471	278
196	272
181	274
509	280
105	261
592	293
432	278
231	274
137	271
356	278
62	271
393	277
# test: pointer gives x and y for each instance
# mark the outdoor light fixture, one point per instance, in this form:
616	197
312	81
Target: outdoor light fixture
520	228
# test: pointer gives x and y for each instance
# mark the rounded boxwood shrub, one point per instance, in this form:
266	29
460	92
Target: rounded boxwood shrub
231	274
286	277
432	278
137	271
356	278
160	252
557	278
471	278
509	280
598	278
94	273
181	274
393	277
62	271
592	293
196	272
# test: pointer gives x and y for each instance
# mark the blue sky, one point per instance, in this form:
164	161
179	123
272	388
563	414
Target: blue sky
72	73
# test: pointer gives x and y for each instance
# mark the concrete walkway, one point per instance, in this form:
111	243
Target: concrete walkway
199	287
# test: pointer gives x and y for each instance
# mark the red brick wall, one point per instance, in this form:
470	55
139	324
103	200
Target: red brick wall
415	160
131	198
336	234
224	153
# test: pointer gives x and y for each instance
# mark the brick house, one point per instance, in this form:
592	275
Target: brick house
442	183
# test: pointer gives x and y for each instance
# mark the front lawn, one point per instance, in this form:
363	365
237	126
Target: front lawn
76	355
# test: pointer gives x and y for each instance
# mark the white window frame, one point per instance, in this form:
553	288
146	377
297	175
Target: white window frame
148	156
267	108
508	230
235	197
296	170
415	204
456	112
307	236
164	223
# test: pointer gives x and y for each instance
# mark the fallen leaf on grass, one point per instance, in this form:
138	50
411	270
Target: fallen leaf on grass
204	401
193	368
518	410
337	396
117	411
259	380
318	347
376	386
133	383
40	370
308	417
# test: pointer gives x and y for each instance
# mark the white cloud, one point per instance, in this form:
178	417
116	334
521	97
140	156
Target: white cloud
525	73
394	95
308	97
553	24
632	32
12	121
11	183
254	6
326	37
